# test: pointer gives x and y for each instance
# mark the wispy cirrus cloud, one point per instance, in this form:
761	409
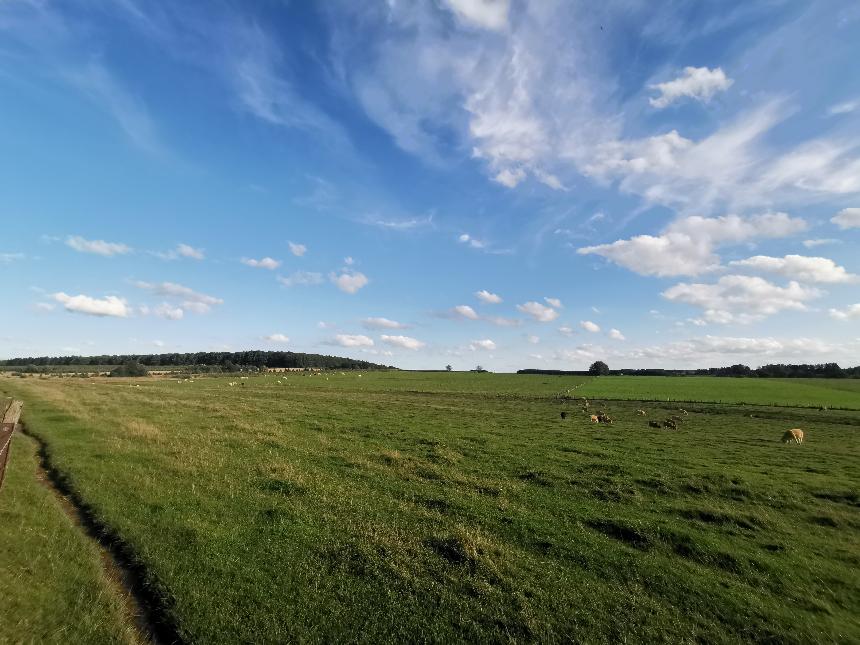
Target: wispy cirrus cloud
97	247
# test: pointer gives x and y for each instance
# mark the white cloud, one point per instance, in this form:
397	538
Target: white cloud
485	344
277	338
487	14
566	331
264	263
687	246
698	83
847	218
297	249
465	238
399	224
169	312
553	302
348	261
158	343
187	251
107	306
741	299
587	325
510	178
465	311
382	323
799	267
322	324
304	278
539	312
348	340
99	247
734	348
488	298
852	311
811	244
534	340
614	334
191	300
44	306
844	108
349	281
406	342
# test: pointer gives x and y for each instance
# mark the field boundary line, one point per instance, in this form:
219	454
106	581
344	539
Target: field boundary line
149	607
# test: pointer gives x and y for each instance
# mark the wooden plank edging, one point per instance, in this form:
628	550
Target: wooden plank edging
8	423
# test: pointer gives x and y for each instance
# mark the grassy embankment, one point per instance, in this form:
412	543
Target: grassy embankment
461	507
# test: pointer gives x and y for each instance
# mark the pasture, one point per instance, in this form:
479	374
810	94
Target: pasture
461	507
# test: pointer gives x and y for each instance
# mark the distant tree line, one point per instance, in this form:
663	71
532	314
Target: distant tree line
780	370
228	361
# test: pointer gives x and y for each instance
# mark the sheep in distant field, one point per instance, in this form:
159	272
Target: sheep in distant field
670	424
594	418
654	424
683	411
794	435
641	413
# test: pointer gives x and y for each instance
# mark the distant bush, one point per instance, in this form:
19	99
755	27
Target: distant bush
130	368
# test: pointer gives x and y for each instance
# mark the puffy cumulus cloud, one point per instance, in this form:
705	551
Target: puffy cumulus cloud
510	178
98	247
265	263
687	246
353	340
699	83
277	338
301	278
406	342
539	312
486	14
798	267
488	298
297	249
485	344
852	311
707	347
169	312
382	323
349	281
587	325
107	306
741	299
191	300
553	302
847	218
614	334
465	311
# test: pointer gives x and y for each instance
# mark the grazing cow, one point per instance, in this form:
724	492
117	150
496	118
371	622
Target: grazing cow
795	435
564	415
670	424
594	418
584	403
676	418
683	411
654	424
602	417
641	413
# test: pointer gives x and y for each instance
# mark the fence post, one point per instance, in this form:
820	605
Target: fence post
11	411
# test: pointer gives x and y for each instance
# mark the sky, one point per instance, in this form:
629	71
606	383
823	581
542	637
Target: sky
500	183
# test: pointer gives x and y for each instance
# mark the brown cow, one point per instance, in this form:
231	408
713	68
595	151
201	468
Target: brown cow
654	424
594	418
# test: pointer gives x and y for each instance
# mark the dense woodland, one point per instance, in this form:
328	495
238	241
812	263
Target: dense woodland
228	361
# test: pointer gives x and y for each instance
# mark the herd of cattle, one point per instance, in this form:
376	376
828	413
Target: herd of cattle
671	422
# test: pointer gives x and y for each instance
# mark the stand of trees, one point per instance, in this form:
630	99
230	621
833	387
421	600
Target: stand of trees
229	361
819	370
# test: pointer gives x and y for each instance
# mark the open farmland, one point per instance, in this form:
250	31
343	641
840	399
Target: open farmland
404	506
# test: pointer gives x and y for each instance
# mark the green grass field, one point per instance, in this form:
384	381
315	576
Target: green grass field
461	507
53	588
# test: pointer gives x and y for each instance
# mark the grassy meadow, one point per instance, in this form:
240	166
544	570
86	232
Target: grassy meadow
461	507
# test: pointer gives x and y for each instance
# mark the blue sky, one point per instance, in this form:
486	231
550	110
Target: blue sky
504	183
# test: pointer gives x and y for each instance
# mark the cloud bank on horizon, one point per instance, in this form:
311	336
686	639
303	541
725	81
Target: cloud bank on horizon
409	180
